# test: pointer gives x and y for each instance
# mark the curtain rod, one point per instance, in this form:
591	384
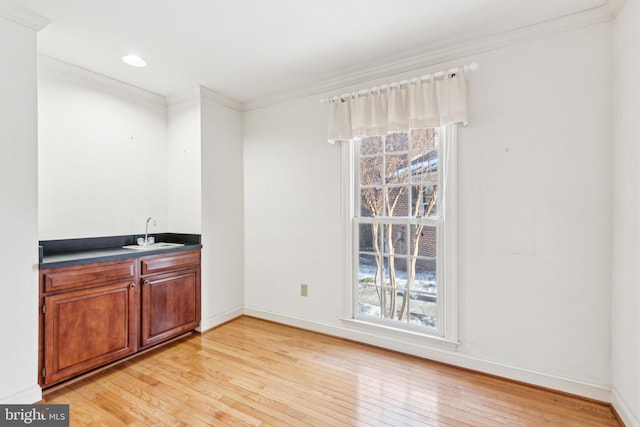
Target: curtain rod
467	67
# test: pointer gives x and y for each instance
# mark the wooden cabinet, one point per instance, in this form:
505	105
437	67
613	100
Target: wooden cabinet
170	296
97	313
85	276
88	328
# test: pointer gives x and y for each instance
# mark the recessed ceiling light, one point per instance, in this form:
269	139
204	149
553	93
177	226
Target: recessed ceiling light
134	61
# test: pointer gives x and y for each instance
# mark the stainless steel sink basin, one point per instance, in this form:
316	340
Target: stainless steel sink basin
153	246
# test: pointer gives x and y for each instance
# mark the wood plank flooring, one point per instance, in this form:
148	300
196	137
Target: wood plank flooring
249	372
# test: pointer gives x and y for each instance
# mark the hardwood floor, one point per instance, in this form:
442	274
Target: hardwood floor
252	372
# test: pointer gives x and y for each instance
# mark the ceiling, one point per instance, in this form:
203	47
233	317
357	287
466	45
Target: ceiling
247	50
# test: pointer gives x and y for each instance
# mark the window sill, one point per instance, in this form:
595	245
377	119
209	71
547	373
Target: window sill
401	336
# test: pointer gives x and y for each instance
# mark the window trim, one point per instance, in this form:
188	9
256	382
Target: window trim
448	262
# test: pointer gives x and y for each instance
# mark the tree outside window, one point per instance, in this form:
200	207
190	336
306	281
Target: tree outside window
398	220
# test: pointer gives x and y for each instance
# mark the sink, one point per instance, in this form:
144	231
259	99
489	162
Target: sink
153	246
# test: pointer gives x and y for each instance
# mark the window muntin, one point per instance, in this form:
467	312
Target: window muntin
399	227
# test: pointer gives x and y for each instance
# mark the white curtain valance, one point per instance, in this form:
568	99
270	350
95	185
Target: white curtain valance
399	107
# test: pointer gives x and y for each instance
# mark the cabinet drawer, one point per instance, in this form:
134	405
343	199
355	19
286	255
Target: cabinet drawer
159	263
67	278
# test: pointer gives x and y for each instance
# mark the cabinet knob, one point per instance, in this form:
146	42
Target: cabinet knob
146	282
133	285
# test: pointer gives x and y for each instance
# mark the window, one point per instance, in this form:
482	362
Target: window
403	207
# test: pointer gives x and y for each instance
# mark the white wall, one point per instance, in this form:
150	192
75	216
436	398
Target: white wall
205	194
534	203
102	155
534	214
18	215
626	232
185	205
294	229
222	212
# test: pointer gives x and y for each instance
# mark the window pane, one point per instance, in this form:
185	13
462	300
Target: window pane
367	242
395	271
424	200
369	283
393	303
423	287
370	145
395	237
368	300
398	141
423	241
371	171
425	279
424	166
370	202
395	280
423	313
424	139
397	168
397	202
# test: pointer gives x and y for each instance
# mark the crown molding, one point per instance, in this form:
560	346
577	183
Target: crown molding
183	96
203	92
66	68
436	55
91	77
615	6
211	95
23	16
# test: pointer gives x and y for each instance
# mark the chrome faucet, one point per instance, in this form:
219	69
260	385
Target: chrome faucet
146	232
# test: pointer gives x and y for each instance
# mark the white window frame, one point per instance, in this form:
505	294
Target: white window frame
447	331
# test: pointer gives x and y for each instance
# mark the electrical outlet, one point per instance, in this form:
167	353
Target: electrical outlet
304	289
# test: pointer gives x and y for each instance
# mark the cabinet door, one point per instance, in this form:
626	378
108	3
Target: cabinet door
170	305
88	328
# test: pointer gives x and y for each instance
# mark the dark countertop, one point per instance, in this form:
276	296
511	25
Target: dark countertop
62	253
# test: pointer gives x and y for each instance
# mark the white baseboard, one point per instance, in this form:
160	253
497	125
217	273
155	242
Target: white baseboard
624	411
24	397
541	379
219	319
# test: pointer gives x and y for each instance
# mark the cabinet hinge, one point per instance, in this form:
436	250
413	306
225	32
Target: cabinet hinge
44	308
44	372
